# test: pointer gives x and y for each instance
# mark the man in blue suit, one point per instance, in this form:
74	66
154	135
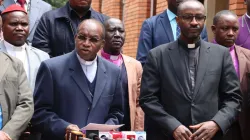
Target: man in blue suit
34	8
160	29
77	88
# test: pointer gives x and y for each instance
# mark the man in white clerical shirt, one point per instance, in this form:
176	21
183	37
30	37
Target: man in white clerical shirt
15	32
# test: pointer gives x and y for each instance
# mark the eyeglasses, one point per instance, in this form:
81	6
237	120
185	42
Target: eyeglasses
189	18
92	40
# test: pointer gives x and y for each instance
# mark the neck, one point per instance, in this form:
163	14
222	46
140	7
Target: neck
110	52
189	41
248	13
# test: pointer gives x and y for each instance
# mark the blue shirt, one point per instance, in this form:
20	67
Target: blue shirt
173	23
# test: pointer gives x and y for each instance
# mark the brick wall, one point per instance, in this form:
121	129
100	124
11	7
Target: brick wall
112	8
237	6
161	5
96	5
136	11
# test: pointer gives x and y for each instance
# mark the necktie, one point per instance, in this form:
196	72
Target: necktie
178	32
21	2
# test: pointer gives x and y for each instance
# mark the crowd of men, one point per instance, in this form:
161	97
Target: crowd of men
63	69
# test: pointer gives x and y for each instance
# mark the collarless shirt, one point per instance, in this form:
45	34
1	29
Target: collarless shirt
89	68
173	23
20	53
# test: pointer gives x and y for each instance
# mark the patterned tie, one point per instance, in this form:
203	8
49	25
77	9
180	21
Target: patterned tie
178	32
21	2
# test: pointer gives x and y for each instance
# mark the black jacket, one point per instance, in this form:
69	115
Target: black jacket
216	97
55	31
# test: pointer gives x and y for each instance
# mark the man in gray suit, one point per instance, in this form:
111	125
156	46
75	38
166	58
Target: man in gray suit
34	8
15	32
16	100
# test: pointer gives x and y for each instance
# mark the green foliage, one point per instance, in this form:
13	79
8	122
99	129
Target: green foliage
56	3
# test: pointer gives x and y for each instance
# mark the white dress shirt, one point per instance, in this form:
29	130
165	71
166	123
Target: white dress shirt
20	53
89	68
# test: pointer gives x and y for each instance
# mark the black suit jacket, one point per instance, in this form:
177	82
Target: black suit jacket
165	103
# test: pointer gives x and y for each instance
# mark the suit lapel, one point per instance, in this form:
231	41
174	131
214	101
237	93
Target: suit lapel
3	62
100	80
77	74
242	61
202	66
178	63
33	15
167	27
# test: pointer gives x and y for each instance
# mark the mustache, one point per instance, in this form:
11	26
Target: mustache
195	27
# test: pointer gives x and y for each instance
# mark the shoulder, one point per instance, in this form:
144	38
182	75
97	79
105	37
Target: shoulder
57	62
132	60
44	4
39	52
16	63
108	65
215	47
99	16
245	51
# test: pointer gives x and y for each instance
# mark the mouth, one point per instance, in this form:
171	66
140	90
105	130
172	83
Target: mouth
19	35
117	42
85	50
230	40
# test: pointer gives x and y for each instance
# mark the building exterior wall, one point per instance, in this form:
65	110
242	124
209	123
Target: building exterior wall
134	12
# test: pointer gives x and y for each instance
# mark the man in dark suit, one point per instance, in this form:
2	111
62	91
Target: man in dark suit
226	28
189	88
57	28
160	29
77	88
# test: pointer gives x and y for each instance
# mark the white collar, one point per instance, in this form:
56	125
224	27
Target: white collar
87	63
14	48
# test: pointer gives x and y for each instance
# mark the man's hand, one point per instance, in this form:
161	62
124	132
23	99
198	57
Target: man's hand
4	136
182	133
204	131
72	127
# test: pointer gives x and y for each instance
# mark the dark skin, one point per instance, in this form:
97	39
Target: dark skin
173	4
191	29
190	32
89	39
114	36
16	28
226	30
80	6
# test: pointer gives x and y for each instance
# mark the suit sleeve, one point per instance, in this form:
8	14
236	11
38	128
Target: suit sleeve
44	119
24	108
139	116
150	94
41	36
116	115
204	34
229	95
145	42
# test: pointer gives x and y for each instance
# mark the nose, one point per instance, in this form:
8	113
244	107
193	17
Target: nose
194	21
19	27
86	42
230	32
117	34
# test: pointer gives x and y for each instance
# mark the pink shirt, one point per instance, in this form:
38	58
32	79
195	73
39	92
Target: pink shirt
115	59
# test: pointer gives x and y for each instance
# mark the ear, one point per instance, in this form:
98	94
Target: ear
177	20
213	28
102	44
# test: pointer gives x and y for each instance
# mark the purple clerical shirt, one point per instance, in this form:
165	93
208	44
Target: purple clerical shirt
243	38
234	58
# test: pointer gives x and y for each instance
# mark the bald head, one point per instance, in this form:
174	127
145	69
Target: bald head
190	4
93	24
222	13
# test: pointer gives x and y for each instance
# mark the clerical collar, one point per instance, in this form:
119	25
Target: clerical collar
115	59
86	63
14	48
189	46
